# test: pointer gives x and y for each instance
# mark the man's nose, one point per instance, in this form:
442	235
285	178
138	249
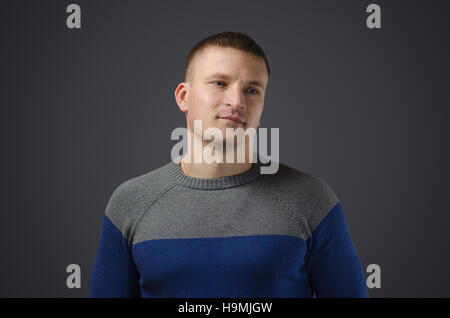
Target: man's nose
234	97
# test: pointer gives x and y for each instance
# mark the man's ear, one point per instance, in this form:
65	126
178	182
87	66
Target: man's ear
181	95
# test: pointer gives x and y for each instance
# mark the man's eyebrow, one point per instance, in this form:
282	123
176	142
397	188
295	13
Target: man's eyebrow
224	76
217	75
257	83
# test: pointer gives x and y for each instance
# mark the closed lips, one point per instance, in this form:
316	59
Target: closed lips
236	119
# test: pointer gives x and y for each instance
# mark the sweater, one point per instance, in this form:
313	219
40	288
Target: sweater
166	234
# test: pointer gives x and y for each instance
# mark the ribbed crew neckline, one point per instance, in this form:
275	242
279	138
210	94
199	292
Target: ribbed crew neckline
215	183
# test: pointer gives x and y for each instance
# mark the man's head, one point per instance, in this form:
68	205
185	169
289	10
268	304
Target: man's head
226	75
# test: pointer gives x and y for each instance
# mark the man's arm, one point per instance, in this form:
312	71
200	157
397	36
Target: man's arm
115	273
332	261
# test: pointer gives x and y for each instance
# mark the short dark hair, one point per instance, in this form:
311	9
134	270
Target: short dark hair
229	39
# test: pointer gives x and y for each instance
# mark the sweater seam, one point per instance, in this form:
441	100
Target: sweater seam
130	240
219	188
297	217
185	181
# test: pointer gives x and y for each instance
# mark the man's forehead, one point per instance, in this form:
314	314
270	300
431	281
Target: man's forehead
217	61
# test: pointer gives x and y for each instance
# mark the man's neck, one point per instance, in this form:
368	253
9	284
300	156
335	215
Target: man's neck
215	170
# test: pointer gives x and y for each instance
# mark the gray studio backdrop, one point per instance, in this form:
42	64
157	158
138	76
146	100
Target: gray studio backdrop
83	110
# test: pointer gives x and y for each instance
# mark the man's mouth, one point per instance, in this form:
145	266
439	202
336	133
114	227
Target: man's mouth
232	119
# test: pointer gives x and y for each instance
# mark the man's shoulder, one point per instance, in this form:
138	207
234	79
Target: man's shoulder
309	195
149	182
291	179
130	199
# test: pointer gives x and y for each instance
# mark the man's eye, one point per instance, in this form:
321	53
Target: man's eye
219	83
252	91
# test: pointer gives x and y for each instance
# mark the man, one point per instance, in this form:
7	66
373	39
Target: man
221	229
224	88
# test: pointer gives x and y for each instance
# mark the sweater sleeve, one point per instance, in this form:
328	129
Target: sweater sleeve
332	262
115	273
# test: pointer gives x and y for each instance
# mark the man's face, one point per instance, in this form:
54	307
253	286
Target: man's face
226	82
